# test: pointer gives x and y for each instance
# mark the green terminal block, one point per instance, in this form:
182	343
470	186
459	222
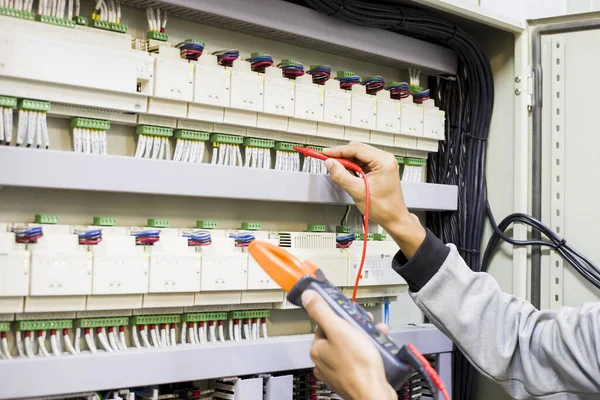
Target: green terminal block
11	12
290	61
34	105
400	159
285	146
344	74
256	54
155	319
206	224
101	322
416	162
367	77
66	23
88	123
316	228
249	314
160	36
4	326
415	89
199	317
227	139
361	236
104	221
251	226
79	20
262	143
158	223
313	66
154	130
192	135
195	41
380	237
317	148
108	26
8	102
46	219
43	325
343	229
392	83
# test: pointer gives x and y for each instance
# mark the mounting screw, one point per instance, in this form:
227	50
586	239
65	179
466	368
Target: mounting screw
517	79
518	91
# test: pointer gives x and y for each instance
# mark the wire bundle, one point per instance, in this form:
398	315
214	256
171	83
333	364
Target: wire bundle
154	147
52	8
242	238
32	129
373	84
155	22
419	94
108	10
89	236
291	69
259	62
398	90
468	102
257	157
6	125
190	49
320	73
314	166
190	151
90	141
146	236
27	234
344	240
226	57
197	237
226	154
347	80
286	160
20	5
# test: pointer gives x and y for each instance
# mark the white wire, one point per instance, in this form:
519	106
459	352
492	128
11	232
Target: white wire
230	329
53	8
22	127
254	331
141	146
104	341
192	336
164	337
120	337
69	345
42	345
167	149
31	127
187	148
157	21
59	341
5	348
247	156
149	143
221	333
264	330
144	335
164	21
238	152
95	142
19	340
195	333
183	333
136	338
222	153
154	338
156	147
54	346
78	340
39	134
201	152
8	125
193	151
103	143
70	10
226	153
212	334
161	148
87	141
150	16
118	12
29	347
173	337
247	335
158	339
77	8
238	332
89	339
1	123
178	146
202	334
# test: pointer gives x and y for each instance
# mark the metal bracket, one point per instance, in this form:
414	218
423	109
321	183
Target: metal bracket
530	90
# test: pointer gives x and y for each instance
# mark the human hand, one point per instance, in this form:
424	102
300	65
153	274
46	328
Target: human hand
344	358
387	207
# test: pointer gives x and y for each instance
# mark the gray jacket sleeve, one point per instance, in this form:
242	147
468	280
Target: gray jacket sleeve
531	353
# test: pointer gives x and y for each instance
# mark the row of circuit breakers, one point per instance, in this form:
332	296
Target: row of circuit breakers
205	266
83	58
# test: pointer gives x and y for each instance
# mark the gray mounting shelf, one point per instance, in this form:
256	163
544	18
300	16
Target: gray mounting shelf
50	169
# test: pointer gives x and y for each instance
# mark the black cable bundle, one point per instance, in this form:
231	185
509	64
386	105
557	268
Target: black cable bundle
468	101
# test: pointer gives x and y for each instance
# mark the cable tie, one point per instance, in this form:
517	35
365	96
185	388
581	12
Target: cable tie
401	23
453	33
561	244
470	251
340	8
475	137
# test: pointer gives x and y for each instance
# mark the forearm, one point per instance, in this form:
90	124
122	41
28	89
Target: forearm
530	353
407	232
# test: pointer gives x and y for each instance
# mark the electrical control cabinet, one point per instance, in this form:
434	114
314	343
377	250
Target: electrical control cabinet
411	122
258	279
174	267
279	93
14	265
434	121
173	79
224	267
212	82
377	270
337	104
388	114
246	87
59	265
120	267
309	99
364	109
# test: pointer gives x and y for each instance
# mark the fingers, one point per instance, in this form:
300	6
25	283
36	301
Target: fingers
356	150
320	312
383	328
344	179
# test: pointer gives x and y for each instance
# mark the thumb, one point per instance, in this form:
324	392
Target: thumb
344	179
320	312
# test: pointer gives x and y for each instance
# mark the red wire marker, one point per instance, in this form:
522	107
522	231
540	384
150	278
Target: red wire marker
308	152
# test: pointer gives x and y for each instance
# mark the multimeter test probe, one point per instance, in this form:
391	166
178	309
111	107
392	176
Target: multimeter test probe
295	277
308	152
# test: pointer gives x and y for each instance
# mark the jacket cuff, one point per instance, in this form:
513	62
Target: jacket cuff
426	262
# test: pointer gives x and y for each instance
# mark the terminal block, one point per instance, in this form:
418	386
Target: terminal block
8	102
250	226
155	319
47	19
34	105
4	326
249	314
108	26
206	224
11	12
316	228
198	317
154	131
43	325
101	322
160	36
89	123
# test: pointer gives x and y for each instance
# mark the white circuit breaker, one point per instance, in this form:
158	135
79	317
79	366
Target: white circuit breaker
377	270
224	266
279	93
309	99
364	108
120	267
212	83
337	104
388	113
247	87
174	266
14	265
173	76
434	121
60	266
411	122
